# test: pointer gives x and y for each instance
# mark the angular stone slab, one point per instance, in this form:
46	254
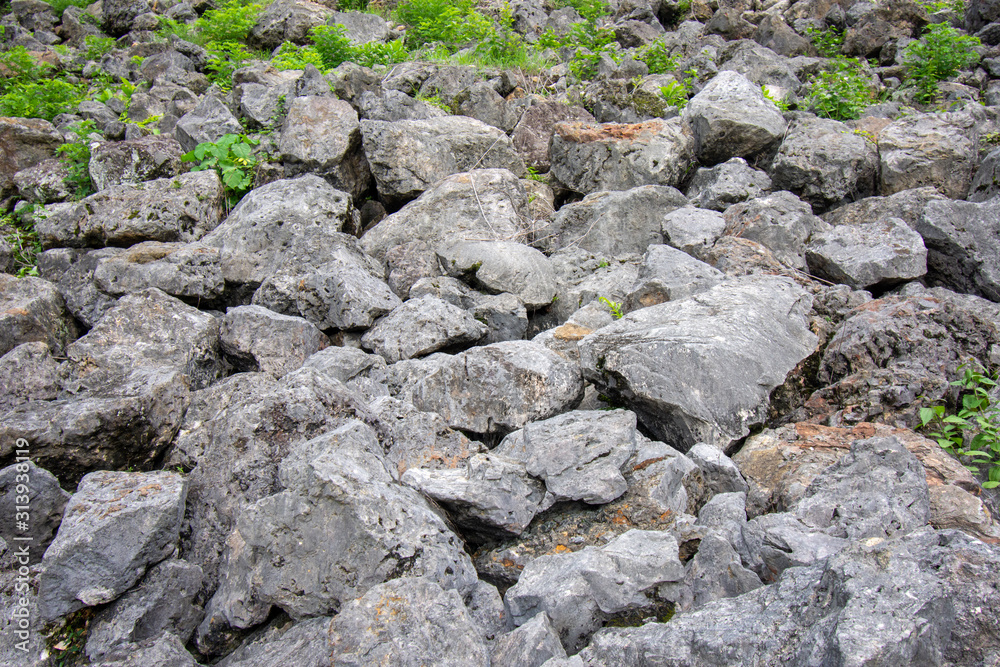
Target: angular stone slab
420	327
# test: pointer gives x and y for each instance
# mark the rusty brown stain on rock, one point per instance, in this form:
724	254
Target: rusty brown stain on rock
581	132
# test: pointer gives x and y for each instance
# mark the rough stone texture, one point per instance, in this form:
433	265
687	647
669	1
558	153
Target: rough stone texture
482	102
163	601
115	526
491	492
119	15
935	149
184	270
668	274
582	590
874	254
24	142
533	132
164	651
44	183
719	187
304	644
497	388
209	121
259	339
986	183
407	622
717	572
962	245
344	363
502	266
613	223
825	163
72	271
529	645
183	208
134	161
45	500
407	156
27	373
340	527
321	135
701	369
393	105
421	326
926	593
693	230
781	222
483	204
287	21
363	27
579	455
587	157
730	117
32	310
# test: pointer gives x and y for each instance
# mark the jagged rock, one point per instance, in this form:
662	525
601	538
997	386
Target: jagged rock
579	455
408	156
718	471
502	266
208	122
730	117
363	27
134	161
24	142
421	326
504	315
262	98
44	182
27	373
287	223
727	183
32	310
962	246
665	361
119	15
182	208
986	183
613	223
480	204
491	492
717	572
529	645
406	622
825	163
486	608
183	270
47	502
907	205
584	282
393	105
162	601
533	132
18	606
668	274
447	81
497	388
587	157
482	102
693	230
73	273
758	64
340	527
287	21
304	644
935	149
874	254
344	363
321	135
780	221
265	341
164	651
115	526
582	590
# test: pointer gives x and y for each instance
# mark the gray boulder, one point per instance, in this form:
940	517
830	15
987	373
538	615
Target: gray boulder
44	183
407	622
393	105
727	183
587	157
72	271
24	142
32	310
183	208
119	15
321	135
581	591
47	502
772	543
718	471
533	132
668	274
163	651
986	183
579	455
497	388
529	645
482	102
693	230
502	266
613	223
717	572
363	27
344	363
28	373
874	254
304	644
421	326
134	161
185	270
935	149
259	339
962	245
116	525
207	122
781	222
730	117
407	156
287	21
750	332
825	163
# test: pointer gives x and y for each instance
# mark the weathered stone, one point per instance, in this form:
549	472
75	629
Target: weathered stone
72	271
44	182
422	326
363	27
588	158
287	21
119	15
46	501
869	255
668	274
717	572
191	271
24	142
262	340
115	526
482	102
304	644
533	132
183	208
529	645
32	310
165	650
962	245
727	183
502	266
986	183
393	105
935	149
134	161
693	230
344	363
666	361
407	156
781	222
27	373
207	122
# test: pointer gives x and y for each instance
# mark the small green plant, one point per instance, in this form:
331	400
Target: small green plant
827	42
657	57
938	56
780	103
59	6
231	21
603	264
590	10
840	91
19	233
613	306
224	58
76	156
973	433
290	56
502	46
434	101
454	23
232	156
97	47
675	94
